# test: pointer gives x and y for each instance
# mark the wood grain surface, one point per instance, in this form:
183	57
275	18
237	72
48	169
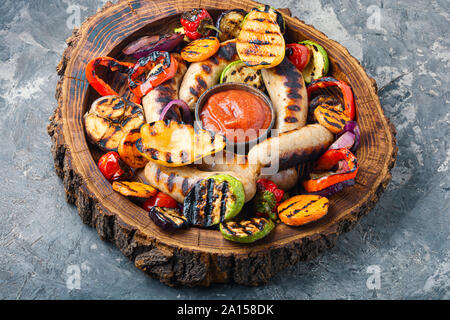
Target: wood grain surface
199	256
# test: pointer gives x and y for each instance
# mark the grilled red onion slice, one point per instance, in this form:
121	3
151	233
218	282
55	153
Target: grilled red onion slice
186	117
145	45
352	126
346	140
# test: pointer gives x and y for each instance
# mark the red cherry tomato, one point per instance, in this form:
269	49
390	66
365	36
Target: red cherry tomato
278	195
160	200
298	54
265	184
113	168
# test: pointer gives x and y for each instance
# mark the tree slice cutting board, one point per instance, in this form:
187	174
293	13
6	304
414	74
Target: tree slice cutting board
200	256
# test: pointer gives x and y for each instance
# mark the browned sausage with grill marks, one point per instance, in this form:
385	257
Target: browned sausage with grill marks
287	91
177	182
291	148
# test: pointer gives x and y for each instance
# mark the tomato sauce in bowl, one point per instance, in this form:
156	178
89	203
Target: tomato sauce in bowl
238	114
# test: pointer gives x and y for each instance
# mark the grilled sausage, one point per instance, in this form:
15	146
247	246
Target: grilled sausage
177	182
287	91
155	101
285	179
201	76
290	148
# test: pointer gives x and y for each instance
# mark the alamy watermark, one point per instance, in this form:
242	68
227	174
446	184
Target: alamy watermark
74	272
374	280
374	20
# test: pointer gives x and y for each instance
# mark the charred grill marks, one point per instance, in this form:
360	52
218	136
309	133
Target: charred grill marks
223	200
301	209
170	181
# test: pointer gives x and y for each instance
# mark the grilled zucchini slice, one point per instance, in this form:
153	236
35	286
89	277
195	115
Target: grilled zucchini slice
109	119
214	200
260	43
246	231
174	144
318	63
238	71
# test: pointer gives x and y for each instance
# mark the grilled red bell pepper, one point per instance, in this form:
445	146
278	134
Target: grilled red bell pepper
321	179
98	84
160	200
150	71
267	199
197	23
347	93
113	168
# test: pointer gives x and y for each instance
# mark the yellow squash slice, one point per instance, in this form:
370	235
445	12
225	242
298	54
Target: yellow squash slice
260	43
134	189
172	144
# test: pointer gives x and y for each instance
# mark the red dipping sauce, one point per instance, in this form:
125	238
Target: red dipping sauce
228	111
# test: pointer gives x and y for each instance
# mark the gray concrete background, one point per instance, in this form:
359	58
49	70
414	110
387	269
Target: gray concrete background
403	44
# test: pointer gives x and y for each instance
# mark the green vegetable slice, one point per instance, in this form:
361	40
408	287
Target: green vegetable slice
214	200
318	64
265	202
238	71
246	231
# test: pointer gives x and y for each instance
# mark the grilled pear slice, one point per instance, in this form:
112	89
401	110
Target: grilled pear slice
109	119
260	43
128	151
173	144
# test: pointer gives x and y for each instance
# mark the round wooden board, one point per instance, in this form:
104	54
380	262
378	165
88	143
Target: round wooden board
198	256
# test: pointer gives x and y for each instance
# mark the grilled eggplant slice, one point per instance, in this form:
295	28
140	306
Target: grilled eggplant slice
173	144
109	119
128	151
238	71
229	24
260	43
214	200
168	219
134	189
246	231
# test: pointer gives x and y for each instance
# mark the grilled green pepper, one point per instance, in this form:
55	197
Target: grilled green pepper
214	200
265	203
246	231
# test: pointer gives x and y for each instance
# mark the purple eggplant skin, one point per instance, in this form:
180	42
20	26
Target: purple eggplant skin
228	27
335	188
168	219
166	42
